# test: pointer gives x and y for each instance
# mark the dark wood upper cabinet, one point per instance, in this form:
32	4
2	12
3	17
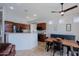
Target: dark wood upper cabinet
41	26
25	26
9	26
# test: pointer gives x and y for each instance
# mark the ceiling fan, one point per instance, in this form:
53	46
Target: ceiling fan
63	11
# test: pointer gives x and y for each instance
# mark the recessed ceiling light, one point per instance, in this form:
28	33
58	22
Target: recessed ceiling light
61	21
11	7
50	22
34	15
76	20
27	17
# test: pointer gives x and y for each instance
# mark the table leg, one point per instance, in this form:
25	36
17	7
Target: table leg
68	49
72	51
47	46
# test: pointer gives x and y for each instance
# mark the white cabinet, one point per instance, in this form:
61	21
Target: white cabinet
23	41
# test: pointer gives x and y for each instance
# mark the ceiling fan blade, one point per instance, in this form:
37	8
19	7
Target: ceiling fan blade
70	8
55	11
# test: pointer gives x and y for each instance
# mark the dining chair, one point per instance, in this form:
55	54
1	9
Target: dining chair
76	50
48	46
57	46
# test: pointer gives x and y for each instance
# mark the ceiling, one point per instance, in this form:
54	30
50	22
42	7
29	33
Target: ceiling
42	10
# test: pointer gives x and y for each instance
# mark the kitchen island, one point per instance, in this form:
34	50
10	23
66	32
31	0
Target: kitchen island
23	41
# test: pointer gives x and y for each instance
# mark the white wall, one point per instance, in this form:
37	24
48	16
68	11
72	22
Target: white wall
1	25
60	28
51	28
33	28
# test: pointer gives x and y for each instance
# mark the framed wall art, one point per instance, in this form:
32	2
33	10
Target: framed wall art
68	27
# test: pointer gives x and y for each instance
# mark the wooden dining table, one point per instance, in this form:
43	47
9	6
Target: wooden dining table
66	42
